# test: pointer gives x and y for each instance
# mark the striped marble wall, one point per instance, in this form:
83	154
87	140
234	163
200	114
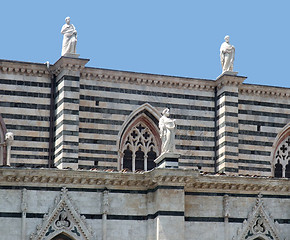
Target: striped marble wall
223	125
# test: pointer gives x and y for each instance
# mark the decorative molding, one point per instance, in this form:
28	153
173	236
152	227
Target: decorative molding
265	91
259	224
229	80
63	218
190	179
78	64
71	64
147	79
23	68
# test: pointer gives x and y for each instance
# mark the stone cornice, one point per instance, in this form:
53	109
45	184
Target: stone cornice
265	91
147	79
23	68
226	80
190	179
69	63
78	64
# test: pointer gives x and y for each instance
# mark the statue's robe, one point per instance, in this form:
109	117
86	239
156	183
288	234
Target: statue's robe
69	39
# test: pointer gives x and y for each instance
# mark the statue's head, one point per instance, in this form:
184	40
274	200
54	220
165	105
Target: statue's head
165	112
227	38
9	136
67	20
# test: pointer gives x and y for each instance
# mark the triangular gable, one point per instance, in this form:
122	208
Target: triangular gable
259	225
63	218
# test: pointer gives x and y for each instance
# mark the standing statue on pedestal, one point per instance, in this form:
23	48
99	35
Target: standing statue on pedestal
227	54
167	132
69	38
9	138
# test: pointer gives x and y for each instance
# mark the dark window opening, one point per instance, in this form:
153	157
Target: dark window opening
150	160
278	170
139	160
127	159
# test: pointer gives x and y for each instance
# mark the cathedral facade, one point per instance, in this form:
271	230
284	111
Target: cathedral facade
78	144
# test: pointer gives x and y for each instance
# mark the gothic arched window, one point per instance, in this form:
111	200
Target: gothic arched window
140	148
139	143
281	154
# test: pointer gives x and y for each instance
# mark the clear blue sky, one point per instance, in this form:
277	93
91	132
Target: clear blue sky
180	38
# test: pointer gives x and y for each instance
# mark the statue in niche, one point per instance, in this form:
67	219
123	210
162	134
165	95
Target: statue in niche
167	128
69	38
227	54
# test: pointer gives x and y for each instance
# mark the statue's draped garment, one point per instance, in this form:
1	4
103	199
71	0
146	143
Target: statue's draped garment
167	134
69	39
227	54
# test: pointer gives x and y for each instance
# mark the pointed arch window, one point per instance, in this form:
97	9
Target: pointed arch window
140	148
139	142
281	155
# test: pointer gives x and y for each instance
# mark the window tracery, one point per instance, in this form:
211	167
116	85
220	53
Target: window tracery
281	163
140	148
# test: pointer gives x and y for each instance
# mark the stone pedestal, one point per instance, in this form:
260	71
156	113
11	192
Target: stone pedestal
67	97
167	160
71	55
227	122
230	73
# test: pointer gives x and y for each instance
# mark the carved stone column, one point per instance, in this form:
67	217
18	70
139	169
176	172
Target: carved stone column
23	210
105	207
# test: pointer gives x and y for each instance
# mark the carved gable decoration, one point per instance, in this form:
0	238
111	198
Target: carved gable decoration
63	218
259	225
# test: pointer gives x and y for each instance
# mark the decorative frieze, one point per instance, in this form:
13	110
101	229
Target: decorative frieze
264	91
190	179
155	80
23	68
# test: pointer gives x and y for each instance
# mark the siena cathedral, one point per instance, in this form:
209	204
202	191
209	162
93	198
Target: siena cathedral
96	154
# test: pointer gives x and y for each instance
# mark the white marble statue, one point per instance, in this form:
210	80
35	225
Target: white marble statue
227	54
9	137
69	38
167	128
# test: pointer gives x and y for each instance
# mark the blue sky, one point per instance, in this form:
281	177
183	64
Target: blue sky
180	38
